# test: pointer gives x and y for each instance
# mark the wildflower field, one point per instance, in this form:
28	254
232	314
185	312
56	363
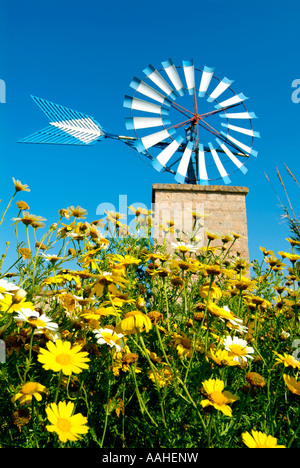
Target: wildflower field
108	340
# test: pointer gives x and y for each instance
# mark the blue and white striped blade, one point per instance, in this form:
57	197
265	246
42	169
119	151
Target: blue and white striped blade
173	75
238	98
56	136
135	123
143	88
189	73
203	177
220	89
206	77
247	149
219	164
238	115
157	79
164	157
144	106
148	141
245	131
66	126
232	157
182	169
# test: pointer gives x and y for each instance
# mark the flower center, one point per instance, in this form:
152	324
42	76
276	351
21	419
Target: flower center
37	322
63	359
63	424
218	398
29	388
238	350
186	343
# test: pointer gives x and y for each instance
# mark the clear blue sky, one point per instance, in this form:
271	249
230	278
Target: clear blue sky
84	53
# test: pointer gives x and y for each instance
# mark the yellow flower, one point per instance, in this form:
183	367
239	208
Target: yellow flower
293	242
222	357
220	312
68	426
210	236
27	391
287	360
243	284
292	384
19	187
292	257
162	378
266	252
125	260
30	220
77	212
133	322
184	346
216	397
8	304
260	440
109	280
138	211
61	357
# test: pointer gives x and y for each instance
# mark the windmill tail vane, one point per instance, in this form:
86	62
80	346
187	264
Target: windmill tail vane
178	146
70	127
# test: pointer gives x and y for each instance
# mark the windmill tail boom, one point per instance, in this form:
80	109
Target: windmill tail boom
66	126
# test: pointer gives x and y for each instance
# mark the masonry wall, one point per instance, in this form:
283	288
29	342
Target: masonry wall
223	207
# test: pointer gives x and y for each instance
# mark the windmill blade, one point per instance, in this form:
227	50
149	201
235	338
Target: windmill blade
238	115
245	131
144	106
206	77
157	79
67	126
220	89
189	73
247	149
219	164
135	123
232	157
238	98
203	177
143	88
172	73
150	140
184	163
163	158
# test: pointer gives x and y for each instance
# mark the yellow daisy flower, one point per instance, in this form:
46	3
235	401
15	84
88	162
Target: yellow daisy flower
213	290
60	356
216	397
68	426
27	391
292	384
260	440
133	322
287	359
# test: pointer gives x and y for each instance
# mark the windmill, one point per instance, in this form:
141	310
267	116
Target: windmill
184	120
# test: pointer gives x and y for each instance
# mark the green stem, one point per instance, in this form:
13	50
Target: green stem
30	356
58	386
155	372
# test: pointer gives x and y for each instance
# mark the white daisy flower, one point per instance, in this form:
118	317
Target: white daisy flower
7	287
41	322
107	336
183	247
239	348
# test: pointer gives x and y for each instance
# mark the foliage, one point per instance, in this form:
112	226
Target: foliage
111	341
